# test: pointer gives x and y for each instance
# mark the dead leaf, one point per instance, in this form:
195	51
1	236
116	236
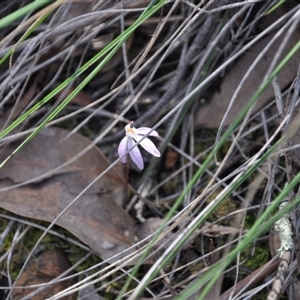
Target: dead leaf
217	106
95	218
252	279
82	98
45	268
214	230
171	159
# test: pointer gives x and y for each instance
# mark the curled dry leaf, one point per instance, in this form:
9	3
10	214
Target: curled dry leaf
214	230
95	218
45	268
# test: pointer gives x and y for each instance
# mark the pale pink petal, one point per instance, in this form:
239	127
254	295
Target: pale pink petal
150	147
122	149
145	131
135	154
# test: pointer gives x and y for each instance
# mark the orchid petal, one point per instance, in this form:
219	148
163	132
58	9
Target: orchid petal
122	149
135	154
145	131
149	147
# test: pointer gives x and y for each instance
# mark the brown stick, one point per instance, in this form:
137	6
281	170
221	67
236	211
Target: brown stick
254	277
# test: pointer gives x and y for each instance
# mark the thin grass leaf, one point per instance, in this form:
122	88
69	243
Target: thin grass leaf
157	266
9	19
113	47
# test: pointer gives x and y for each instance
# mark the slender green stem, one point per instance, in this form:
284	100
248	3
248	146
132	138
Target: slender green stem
273	8
257	230
113	47
22	12
211	155
25	36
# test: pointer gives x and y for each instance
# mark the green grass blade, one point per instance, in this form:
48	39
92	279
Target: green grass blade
22	12
113	47
25	36
211	155
256	231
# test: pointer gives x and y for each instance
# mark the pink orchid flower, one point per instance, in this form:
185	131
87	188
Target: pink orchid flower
134	135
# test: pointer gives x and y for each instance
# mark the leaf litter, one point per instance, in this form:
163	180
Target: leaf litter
95	218
168	70
48	266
